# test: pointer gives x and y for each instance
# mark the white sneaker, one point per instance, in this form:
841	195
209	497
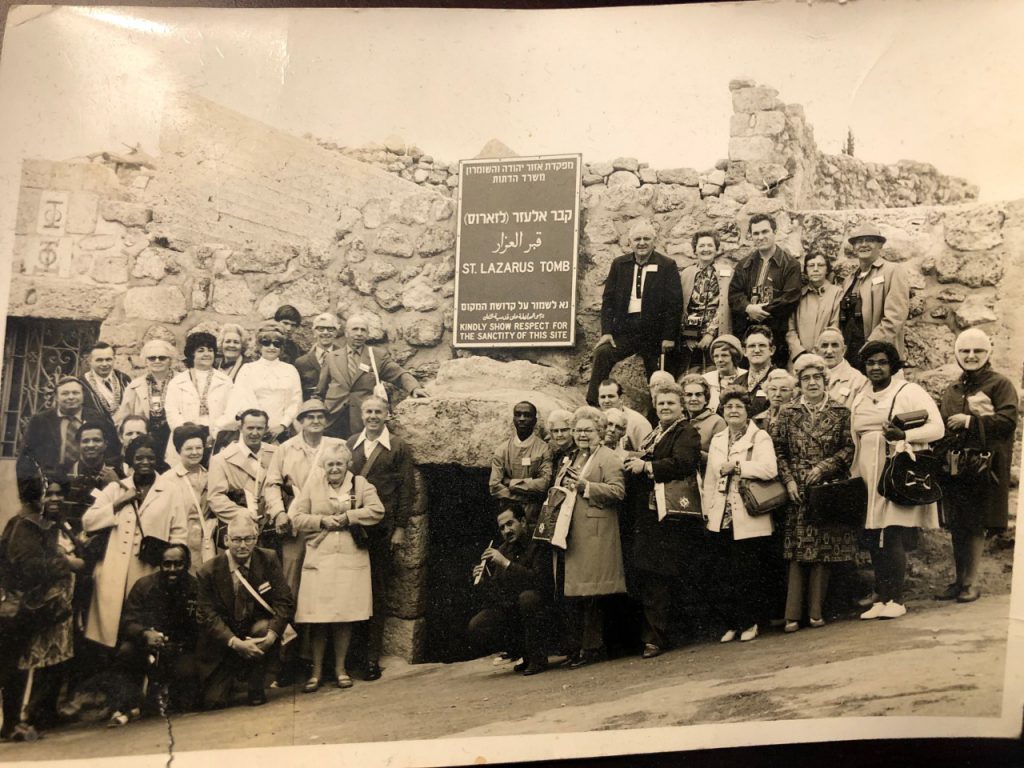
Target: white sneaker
892	610
874	612
728	637
748	634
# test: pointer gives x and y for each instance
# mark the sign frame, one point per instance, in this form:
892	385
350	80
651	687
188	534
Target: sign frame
574	259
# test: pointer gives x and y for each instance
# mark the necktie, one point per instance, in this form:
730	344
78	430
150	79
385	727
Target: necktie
353	364
241	593
321	356
69	452
108	385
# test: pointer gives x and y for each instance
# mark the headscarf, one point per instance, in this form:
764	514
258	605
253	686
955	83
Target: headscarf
973	338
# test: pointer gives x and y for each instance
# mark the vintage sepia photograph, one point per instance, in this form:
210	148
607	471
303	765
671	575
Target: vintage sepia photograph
449	386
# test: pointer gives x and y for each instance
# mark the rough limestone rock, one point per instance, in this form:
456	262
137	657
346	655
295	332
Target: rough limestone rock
405	637
162	303
393	242
623	179
755	99
420	296
97	242
407	593
478	391
232	297
434	240
975	311
686	176
81	218
48	297
648	176
413	554
626	164
129	214
265	259
310	294
110	268
602	169
982	269
974	229
929	346
151	263
422	331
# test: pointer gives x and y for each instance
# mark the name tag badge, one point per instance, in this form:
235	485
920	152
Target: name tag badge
364	368
760	393
878	280
651	268
525	461
725	272
264	587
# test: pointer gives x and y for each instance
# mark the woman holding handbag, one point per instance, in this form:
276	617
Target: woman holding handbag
980	411
116	510
812	444
737	454
668	543
335	589
591	566
891	526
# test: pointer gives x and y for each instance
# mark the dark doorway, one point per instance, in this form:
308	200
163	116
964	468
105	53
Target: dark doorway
37	352
462	523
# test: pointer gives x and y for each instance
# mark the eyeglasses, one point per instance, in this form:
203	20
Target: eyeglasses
268	342
242	539
157	358
330	328
812	377
584	431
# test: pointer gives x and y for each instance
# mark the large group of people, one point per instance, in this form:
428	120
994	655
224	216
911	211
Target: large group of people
204	528
235	522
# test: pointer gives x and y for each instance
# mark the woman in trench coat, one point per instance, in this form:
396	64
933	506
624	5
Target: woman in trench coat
593	556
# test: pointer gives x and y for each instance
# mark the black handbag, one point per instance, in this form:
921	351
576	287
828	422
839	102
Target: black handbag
970	465
910	480
840	502
762	496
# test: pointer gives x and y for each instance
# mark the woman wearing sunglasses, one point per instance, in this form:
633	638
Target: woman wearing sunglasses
269	384
145	396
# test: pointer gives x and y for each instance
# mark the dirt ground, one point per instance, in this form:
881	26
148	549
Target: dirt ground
940	659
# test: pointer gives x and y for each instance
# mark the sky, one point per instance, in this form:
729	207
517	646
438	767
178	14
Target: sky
934	81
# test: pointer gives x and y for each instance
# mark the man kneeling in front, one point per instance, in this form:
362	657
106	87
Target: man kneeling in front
244	606
516	585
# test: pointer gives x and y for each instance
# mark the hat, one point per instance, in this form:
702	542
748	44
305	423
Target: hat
326	318
729	340
311	406
866	232
271	326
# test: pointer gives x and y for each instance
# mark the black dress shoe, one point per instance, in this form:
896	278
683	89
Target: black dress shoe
585	657
651	650
257	698
372	671
968	594
952	592
521	666
535	667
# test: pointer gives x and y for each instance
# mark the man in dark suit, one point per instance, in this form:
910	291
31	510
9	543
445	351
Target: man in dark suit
50	440
350	375
325	330
765	287
641	309
103	384
517	584
385	461
238	631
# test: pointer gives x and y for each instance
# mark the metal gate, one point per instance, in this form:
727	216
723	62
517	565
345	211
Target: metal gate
37	352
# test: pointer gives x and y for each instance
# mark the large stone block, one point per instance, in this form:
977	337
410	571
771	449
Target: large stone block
600	228
419	295
751	148
269	259
626	164
393	242
674	197
975	311
310	293
162	303
420	331
407	593
602	169
982	269
232	297
82	207
60	299
129	214
977	228
623	179
85	177
152	263
434	240
110	268
929	346
755	99
389	296
413	553
96	242
686	176
406	638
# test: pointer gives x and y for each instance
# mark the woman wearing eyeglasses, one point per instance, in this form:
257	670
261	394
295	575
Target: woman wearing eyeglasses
269	384
199	394
146	395
812	444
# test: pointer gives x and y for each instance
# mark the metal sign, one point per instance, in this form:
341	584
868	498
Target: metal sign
516	252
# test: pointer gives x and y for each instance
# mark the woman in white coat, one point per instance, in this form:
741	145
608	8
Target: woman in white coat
117	509
335	588
176	510
893	527
269	384
199	394
744	451
146	395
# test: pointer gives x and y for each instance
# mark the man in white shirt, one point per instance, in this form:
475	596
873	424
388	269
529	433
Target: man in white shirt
609	395
844	381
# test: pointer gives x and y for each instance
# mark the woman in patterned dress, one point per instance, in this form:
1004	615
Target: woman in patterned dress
812	443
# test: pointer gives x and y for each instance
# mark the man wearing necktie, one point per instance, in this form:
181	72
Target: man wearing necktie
309	365
103	385
641	309
350	374
239	629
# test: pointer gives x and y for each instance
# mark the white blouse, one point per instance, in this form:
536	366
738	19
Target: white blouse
272	386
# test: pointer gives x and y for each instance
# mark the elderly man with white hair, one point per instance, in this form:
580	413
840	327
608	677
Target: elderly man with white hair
981	412
352	373
641	309
309	365
844	381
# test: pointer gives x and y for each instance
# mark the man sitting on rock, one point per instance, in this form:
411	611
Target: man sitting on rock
521	467
516	584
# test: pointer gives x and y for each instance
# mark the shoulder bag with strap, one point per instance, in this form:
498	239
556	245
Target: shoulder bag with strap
761	496
909	478
971	465
289	633
378	389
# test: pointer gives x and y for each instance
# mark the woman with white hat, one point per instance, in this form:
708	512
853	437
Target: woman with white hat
726	354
